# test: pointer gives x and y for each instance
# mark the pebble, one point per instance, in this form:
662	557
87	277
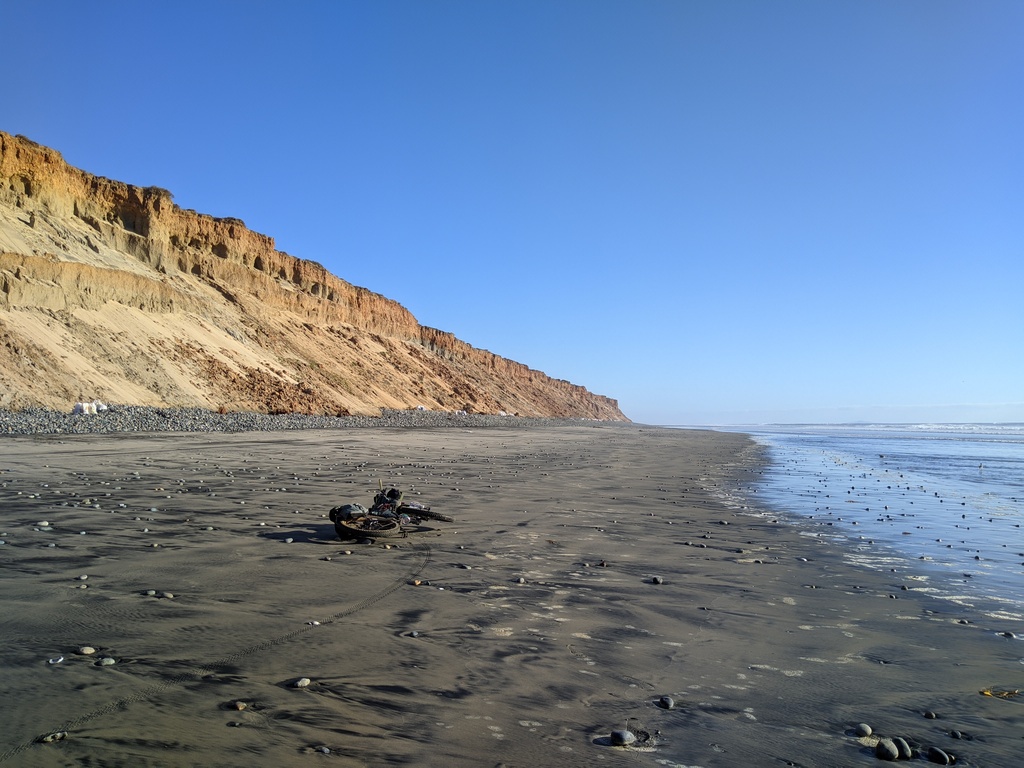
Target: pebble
55	660
938	756
106	661
886	750
622	738
863	729
657	580
302	682
929	715
87	650
666	702
132	418
904	748
52	737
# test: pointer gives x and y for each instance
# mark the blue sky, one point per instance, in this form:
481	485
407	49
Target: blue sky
717	212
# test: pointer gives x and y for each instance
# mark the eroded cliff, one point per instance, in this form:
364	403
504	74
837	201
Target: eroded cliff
112	291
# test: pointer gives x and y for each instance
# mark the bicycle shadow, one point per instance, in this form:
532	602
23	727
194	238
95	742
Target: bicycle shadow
312	534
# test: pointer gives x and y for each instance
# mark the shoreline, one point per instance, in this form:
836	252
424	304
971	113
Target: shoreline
772	646
898	500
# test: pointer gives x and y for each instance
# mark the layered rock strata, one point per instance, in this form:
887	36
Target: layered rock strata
111	291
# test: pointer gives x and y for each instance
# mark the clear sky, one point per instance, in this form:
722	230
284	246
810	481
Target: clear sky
717	212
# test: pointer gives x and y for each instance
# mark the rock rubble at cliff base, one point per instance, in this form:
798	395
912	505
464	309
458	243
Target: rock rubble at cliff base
131	418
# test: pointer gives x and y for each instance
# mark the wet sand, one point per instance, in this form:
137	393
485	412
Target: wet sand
537	630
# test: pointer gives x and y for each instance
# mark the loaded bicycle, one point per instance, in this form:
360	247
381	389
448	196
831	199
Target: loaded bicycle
389	516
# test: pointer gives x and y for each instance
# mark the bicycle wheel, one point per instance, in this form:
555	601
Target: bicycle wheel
368	526
426	514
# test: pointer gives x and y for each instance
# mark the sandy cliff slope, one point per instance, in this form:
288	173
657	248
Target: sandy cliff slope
112	291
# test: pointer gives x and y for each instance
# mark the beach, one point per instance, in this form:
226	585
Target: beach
591	571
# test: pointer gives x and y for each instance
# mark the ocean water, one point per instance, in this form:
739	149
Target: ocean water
942	504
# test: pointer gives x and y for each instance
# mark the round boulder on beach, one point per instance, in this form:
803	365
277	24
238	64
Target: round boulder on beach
903	747
886	750
622	738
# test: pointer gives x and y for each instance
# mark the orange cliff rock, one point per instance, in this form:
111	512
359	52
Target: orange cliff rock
112	291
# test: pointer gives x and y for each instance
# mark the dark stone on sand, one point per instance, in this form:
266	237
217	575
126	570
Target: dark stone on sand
666	702
929	715
886	750
863	729
622	738
903	747
657	580
938	756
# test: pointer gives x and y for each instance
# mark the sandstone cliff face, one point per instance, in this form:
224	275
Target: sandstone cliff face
112	291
